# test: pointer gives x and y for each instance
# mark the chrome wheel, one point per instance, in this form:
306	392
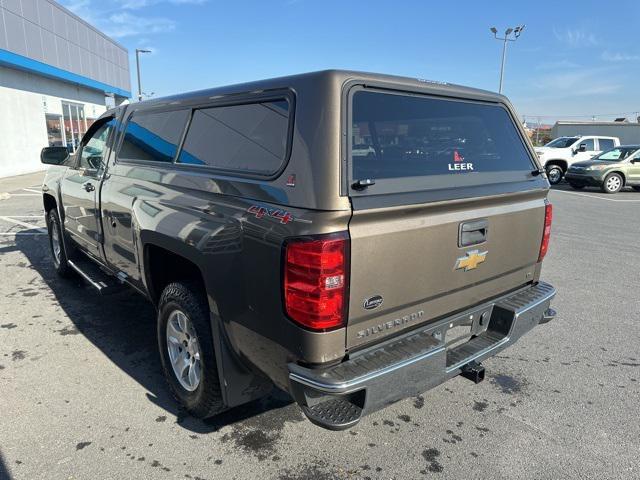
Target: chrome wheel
555	175
56	248
614	183
184	350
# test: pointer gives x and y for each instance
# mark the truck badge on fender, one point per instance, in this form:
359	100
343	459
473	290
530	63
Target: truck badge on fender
260	212
471	260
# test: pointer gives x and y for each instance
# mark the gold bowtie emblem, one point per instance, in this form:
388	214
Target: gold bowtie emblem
471	260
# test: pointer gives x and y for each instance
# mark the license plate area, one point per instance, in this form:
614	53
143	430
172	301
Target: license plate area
463	328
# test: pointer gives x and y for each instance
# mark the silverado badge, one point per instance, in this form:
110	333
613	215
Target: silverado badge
471	260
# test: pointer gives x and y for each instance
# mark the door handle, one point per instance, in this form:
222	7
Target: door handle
88	186
473	233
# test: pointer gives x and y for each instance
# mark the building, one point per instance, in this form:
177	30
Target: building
627	132
57	75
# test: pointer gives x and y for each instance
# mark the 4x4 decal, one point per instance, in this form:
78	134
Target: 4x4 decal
277	213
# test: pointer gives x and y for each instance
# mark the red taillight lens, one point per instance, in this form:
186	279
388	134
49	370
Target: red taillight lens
548	217
315	281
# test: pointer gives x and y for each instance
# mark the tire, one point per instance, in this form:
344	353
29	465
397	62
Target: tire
184	306
554	174
576	186
612	183
56	246
637	189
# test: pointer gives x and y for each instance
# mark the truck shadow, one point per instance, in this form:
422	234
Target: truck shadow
4	471
123	327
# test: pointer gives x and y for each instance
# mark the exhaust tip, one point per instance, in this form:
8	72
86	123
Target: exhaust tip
473	371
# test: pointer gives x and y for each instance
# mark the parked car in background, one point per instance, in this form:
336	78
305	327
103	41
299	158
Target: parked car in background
611	170
559	154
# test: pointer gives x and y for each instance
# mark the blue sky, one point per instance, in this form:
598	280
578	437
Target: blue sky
578	58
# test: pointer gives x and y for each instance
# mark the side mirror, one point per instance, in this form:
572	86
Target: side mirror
54	155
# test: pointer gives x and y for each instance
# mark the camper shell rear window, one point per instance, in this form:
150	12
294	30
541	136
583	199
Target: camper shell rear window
409	142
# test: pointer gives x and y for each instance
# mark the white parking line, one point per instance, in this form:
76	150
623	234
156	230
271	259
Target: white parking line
597	198
39	192
22	224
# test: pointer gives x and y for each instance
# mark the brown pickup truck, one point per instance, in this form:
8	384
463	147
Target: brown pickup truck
351	238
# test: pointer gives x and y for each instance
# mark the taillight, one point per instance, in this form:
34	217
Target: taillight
548	216
316	281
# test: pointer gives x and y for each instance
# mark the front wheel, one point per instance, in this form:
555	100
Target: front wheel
554	174
612	183
56	245
186	349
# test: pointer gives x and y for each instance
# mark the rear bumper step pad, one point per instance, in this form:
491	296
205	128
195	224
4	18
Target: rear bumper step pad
337	397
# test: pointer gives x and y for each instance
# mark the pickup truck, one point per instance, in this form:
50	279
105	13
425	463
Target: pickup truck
559	154
277	256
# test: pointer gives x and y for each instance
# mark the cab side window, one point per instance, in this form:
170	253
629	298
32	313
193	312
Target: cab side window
590	144
153	137
95	149
605	144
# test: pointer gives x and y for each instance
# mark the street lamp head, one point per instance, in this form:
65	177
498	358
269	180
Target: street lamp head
142	50
494	30
518	31
508	31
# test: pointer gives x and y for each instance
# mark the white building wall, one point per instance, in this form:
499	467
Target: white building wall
24	100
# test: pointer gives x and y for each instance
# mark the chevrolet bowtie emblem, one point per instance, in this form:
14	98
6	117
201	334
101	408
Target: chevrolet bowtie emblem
471	260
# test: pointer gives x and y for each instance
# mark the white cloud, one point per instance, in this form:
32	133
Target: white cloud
579	82
138	4
125	25
576	38
618	57
557	65
117	19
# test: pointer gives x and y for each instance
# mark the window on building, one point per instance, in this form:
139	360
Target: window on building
54	130
74	124
153	136
250	138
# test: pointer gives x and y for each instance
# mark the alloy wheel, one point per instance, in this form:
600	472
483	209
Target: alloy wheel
613	183
184	350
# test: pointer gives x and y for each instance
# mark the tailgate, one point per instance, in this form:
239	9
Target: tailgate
448	208
407	266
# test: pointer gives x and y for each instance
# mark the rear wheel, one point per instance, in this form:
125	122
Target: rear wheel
612	183
58	253
554	174
576	186
186	349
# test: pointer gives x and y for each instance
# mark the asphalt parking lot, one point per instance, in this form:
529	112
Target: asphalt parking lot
82	395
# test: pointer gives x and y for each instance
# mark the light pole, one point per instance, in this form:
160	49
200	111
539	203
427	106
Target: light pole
516	33
138	52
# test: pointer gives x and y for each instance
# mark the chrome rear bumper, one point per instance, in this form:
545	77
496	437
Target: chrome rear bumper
337	397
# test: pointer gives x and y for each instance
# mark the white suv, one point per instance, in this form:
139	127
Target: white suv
559	154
